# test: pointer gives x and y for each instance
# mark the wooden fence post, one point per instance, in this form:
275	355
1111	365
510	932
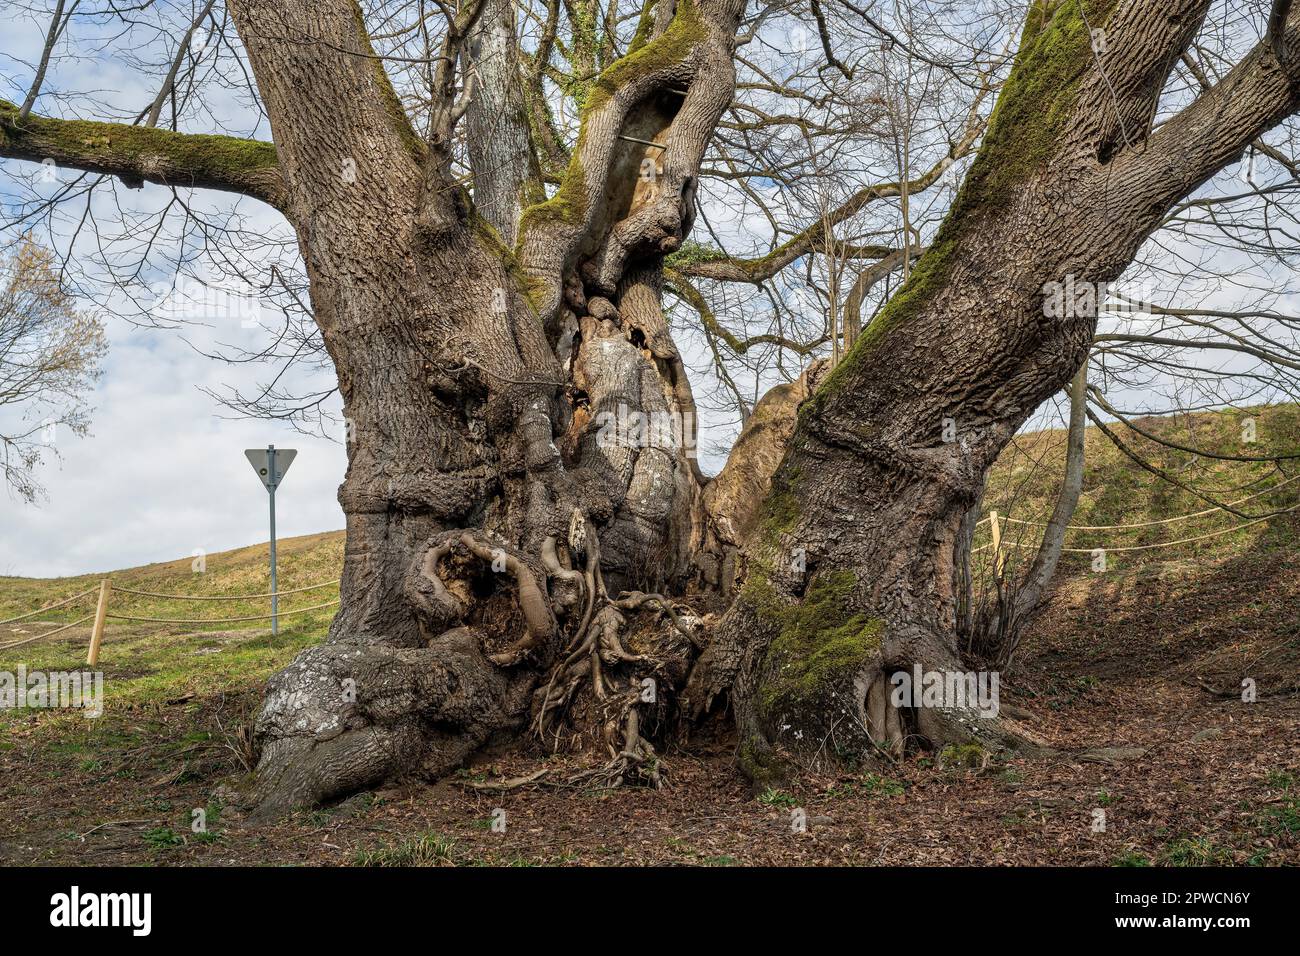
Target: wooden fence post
996	528
97	633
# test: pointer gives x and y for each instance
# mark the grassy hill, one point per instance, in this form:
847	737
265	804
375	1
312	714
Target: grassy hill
1118	491
149	661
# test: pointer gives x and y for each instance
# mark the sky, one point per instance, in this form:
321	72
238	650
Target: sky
161	474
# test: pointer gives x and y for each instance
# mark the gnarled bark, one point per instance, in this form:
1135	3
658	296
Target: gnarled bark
852	569
522	499
521	477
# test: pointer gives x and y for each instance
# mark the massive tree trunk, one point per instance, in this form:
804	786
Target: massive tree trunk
852	572
491	518
521	426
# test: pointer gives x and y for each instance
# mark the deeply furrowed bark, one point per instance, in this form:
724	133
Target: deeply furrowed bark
507	177
510	475
521	428
852	572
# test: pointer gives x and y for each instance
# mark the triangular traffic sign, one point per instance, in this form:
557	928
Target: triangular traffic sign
259	458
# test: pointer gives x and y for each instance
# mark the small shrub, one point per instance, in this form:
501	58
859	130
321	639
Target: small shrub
162	838
776	798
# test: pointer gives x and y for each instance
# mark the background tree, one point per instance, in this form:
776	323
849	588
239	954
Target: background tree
50	355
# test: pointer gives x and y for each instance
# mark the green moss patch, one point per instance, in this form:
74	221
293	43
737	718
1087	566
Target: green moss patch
206	159
569	204
821	639
672	46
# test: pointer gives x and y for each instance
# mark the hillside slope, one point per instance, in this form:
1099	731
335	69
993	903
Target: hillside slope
147	661
1118	491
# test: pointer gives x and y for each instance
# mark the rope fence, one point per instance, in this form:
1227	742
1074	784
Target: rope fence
1174	520
224	597
998	523
102	615
41	637
48	607
221	620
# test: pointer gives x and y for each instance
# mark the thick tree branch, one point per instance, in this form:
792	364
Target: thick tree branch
347	147
1276	24
1262	90
139	154
693	52
1132	51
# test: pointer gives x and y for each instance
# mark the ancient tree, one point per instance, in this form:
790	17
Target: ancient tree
531	547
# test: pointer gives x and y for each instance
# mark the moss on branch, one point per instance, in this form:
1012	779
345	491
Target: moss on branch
1036	103
392	105
145	153
1027	128
645	25
569	204
671	47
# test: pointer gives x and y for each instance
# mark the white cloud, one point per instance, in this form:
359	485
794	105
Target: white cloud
162	474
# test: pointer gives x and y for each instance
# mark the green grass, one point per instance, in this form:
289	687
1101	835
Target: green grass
1283	819
304	560
151	664
1194	851
427	849
163	838
1025	481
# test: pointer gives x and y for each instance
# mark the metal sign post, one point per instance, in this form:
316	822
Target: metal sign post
270	466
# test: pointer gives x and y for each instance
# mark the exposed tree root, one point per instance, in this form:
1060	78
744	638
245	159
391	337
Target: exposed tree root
598	691
514	783
598	681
